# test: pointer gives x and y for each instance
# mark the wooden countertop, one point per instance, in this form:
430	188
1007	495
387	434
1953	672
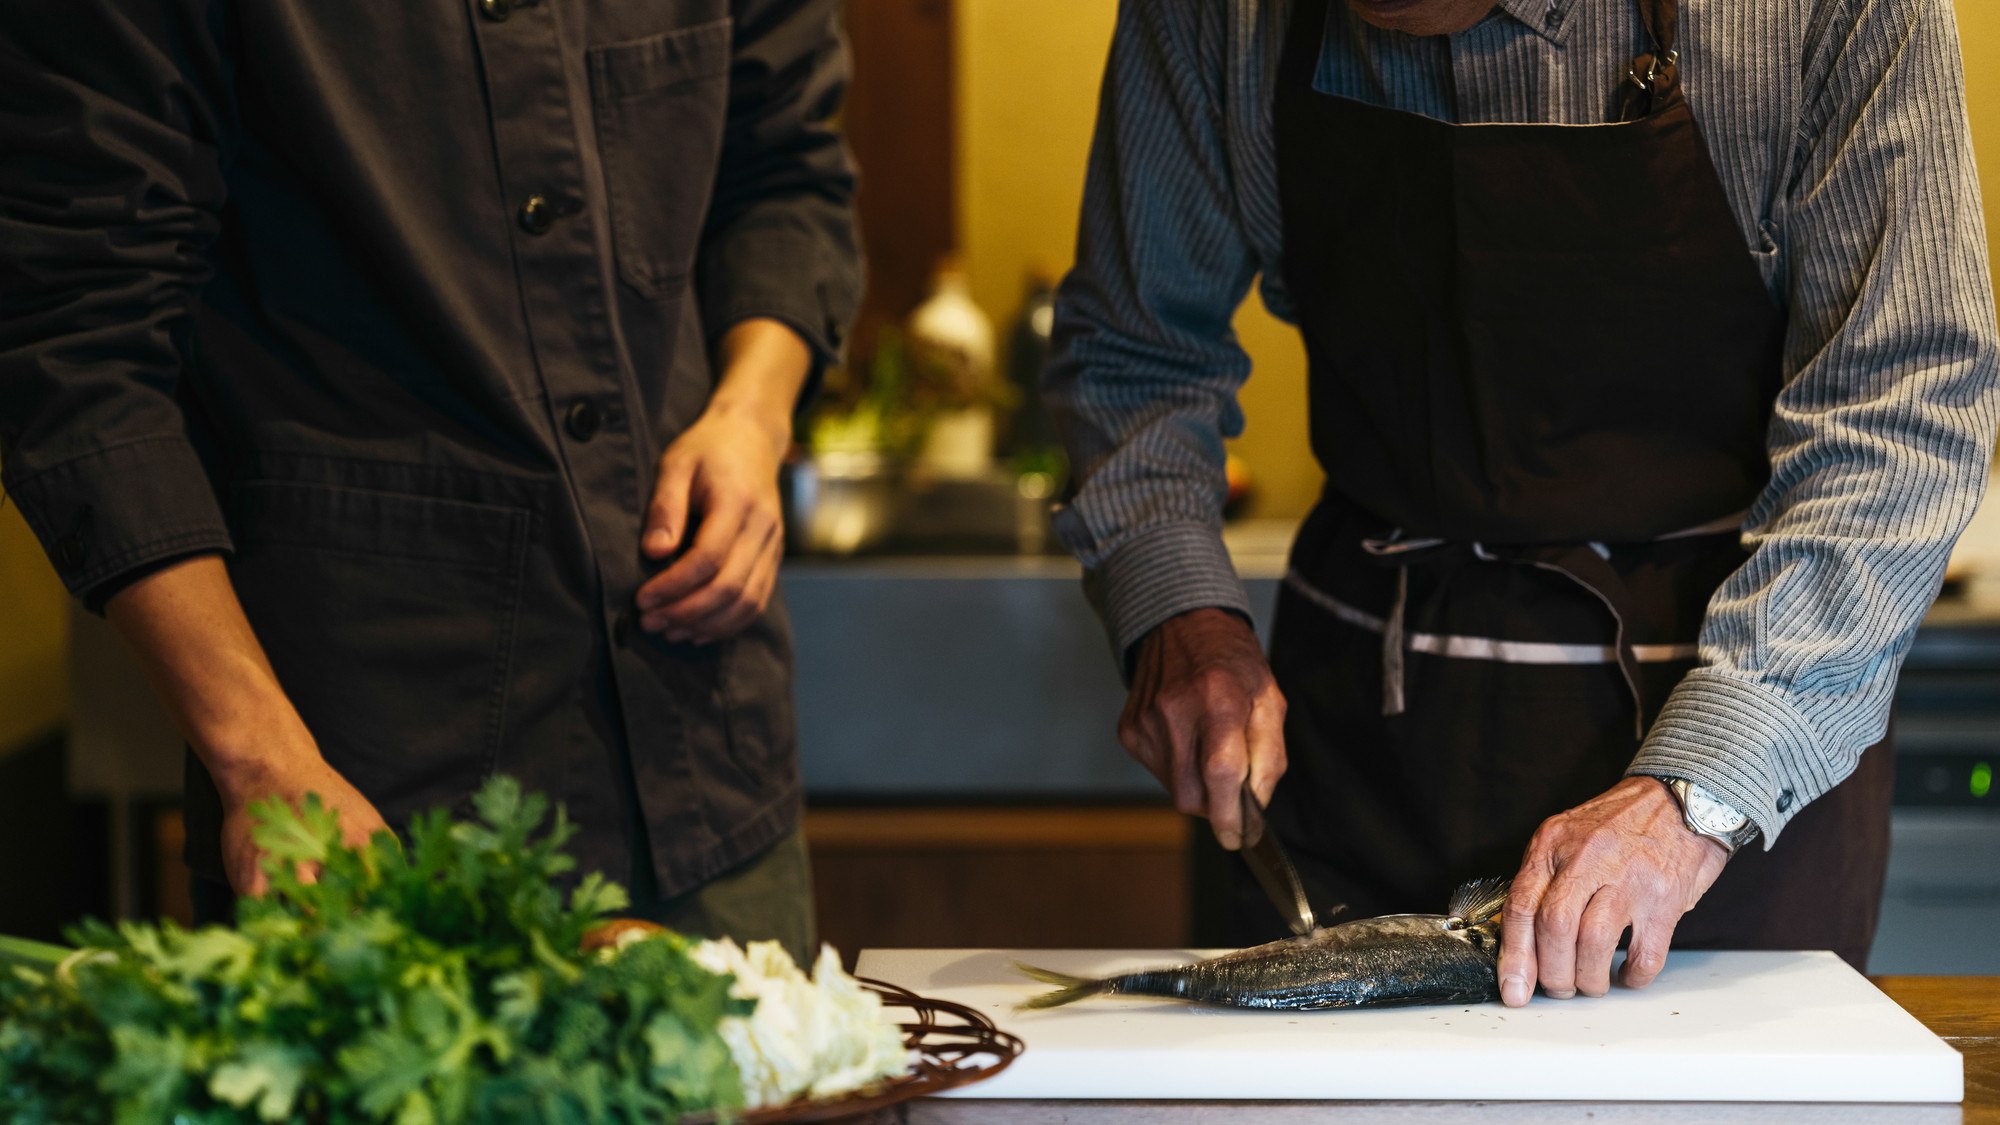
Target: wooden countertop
1963	1011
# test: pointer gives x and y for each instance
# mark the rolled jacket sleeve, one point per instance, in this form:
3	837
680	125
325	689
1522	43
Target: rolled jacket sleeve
1146	367
780	240
113	115
1882	436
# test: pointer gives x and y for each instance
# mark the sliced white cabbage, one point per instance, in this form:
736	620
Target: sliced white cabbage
816	1038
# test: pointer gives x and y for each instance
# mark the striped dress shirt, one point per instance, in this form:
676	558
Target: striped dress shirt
1839	130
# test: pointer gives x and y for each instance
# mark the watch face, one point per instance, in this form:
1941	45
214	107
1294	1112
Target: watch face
1712	815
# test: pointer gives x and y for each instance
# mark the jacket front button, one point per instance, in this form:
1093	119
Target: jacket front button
537	214
584	420
496	10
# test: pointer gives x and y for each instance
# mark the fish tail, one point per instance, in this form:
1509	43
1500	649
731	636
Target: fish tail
1478	901
1069	989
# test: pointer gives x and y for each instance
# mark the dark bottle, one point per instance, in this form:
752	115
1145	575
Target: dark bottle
1030	434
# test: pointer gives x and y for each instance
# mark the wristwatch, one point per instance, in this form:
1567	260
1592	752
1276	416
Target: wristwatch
1705	814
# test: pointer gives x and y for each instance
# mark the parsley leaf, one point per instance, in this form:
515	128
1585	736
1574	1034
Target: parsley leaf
436	981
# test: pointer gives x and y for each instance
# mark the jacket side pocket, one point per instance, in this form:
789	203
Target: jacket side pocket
390	621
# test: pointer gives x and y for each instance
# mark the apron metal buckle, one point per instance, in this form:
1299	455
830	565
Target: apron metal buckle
1659	72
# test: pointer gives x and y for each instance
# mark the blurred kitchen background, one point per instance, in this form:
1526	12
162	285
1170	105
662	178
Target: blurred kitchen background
956	697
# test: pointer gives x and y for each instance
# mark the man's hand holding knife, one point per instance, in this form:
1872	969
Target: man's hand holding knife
1205	716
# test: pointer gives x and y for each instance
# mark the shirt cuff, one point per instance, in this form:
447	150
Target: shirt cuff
1164	572
122	509
760	275
1742	741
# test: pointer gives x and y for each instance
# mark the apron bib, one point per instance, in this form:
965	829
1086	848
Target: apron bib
1543	364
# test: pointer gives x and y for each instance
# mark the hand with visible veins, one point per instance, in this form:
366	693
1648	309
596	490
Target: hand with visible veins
291	781
1625	858
718	483
1204	715
205	663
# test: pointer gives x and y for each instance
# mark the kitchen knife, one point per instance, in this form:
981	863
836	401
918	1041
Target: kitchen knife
1273	869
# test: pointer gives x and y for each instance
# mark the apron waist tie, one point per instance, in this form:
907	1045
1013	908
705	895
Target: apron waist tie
1588	565
1400	553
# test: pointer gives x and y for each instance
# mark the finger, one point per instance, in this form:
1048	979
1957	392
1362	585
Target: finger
1225	760
1647	955
704	559
1557	925
757	599
732	586
1518	968
1603	923
763	580
733	619
666	516
1267	744
684	617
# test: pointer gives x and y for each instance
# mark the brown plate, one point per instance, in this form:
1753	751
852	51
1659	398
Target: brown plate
955	1046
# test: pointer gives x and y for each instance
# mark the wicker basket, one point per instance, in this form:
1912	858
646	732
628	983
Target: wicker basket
955	1046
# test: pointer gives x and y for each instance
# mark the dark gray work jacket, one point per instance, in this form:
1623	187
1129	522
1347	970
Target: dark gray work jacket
398	305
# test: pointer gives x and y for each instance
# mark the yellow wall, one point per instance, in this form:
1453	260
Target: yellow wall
34	635
1028	77
1979	32
1027	97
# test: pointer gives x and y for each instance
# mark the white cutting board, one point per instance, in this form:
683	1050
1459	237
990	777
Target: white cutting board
1716	1026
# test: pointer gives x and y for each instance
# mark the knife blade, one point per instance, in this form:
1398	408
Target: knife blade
1273	868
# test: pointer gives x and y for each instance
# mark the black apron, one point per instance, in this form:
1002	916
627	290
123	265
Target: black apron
1543	364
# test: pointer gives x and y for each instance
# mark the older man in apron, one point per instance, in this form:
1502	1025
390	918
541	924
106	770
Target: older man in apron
1543	374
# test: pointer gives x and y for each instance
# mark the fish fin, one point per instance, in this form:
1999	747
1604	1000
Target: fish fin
1069	989
1478	901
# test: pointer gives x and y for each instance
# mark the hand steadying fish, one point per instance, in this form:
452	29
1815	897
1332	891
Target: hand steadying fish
1370	963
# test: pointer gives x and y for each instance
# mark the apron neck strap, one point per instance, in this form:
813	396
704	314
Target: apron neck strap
1298	56
1662	24
1652	83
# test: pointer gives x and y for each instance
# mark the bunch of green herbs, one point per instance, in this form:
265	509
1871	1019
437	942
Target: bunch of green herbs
423	985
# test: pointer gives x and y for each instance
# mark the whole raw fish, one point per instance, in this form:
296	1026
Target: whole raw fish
1371	963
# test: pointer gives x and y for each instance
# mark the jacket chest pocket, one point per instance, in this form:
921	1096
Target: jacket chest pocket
661	104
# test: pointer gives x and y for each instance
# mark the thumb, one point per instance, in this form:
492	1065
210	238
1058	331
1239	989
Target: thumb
667	515
1518	969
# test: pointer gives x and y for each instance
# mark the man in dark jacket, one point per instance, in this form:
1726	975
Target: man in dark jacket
408	384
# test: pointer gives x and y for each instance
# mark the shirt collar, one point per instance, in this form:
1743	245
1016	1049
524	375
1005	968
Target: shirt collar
1548	18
